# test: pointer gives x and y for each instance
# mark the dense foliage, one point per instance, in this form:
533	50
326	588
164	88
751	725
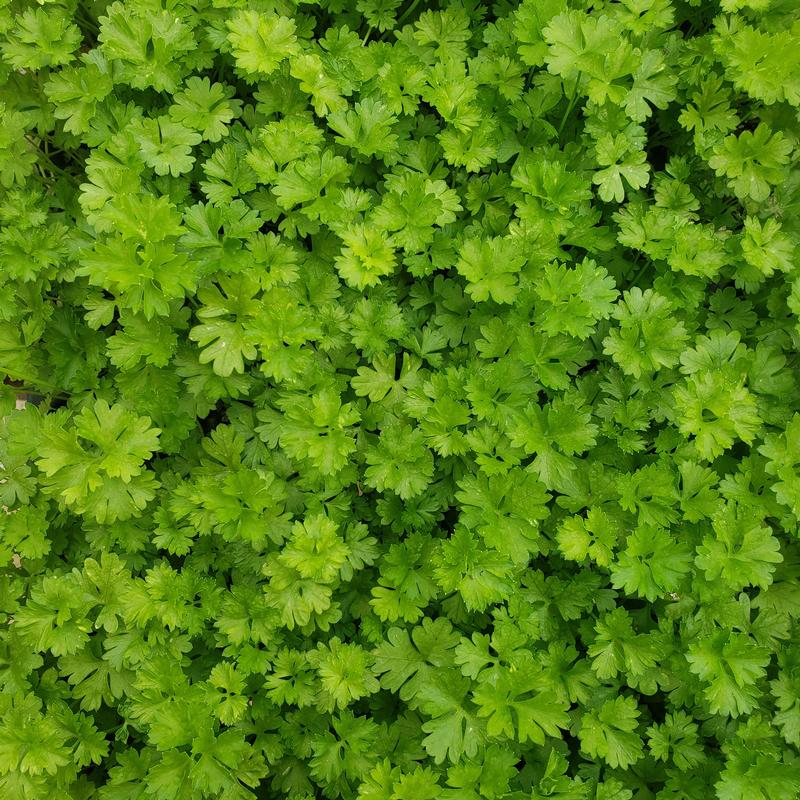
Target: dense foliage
413	404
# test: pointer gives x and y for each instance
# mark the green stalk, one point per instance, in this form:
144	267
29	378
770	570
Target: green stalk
407	12
570	107
28	387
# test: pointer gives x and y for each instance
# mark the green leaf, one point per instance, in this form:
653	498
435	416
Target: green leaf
205	107
453	730
407	662
730	666
648	337
481	577
367	128
781	451
676	740
514	710
166	146
752	162
490	267
610	732
652	564
742	550
572	301
619	159
260	42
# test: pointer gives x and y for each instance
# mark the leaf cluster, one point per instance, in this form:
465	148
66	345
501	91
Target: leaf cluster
413	406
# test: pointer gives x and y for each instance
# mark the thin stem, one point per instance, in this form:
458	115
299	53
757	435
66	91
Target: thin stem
83	15
570	107
85	22
43	154
639	274
407	12
51	167
28	387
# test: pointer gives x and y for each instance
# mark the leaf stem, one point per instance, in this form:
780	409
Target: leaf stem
44	157
28	387
639	274
407	12
570	107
